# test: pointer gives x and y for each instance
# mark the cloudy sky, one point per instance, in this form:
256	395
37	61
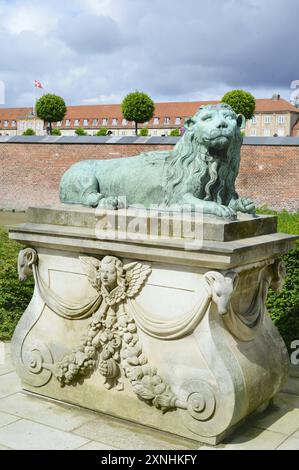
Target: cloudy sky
96	51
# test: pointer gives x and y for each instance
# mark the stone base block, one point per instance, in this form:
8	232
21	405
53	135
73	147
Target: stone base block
171	338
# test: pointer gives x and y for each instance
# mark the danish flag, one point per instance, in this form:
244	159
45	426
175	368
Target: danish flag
37	84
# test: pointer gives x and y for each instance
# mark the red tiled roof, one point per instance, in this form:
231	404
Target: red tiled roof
12	114
162	110
264	105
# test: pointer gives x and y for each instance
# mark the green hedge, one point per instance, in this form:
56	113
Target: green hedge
14	295
283	306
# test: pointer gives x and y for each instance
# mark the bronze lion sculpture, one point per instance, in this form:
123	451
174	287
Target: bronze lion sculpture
200	171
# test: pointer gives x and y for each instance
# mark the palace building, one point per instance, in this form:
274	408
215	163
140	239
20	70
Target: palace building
273	117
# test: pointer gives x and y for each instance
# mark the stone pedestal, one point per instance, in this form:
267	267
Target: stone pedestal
164	331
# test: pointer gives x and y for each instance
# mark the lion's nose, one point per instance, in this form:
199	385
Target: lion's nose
222	125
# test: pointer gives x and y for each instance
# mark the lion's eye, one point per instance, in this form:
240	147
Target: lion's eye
229	116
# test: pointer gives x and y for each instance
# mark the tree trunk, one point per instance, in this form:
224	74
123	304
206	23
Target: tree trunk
136	128
50	127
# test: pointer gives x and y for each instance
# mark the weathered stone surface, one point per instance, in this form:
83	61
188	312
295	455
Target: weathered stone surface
151	331
6	418
210	228
289	444
9	384
44	412
27	435
255	439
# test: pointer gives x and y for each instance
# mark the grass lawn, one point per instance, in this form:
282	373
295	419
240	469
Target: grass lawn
283	306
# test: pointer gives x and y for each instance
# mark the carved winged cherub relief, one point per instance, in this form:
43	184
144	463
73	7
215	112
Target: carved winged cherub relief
111	343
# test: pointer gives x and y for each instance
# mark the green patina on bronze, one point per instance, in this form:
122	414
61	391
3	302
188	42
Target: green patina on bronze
200	171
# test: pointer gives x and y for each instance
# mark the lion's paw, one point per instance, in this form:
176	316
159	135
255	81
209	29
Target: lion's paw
112	203
226	212
244	204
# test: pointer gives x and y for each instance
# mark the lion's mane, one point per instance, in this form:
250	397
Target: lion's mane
215	177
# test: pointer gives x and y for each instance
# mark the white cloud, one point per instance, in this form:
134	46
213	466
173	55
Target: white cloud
99	50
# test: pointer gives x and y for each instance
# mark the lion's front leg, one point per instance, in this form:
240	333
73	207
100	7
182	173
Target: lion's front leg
243	204
208	207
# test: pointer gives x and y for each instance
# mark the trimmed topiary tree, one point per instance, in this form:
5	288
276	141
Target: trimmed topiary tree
175	133
80	131
143	132
56	131
101	132
51	108
29	131
241	101
137	107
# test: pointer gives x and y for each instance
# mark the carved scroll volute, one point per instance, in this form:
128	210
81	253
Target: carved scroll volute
199	399
36	363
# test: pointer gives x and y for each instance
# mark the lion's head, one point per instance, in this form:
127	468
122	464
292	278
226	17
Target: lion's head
206	159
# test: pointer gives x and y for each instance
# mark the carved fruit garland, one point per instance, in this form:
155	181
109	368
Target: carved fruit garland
145	380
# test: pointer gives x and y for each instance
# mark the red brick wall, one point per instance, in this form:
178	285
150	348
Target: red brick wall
270	175
30	173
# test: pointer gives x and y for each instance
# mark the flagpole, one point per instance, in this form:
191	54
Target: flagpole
34	109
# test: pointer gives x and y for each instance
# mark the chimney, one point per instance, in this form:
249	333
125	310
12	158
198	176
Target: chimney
275	97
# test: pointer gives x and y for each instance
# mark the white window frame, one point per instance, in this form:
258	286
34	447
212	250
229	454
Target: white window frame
266	132
95	122
281	119
178	120
105	122
85	122
281	132
67	122
253	120
114	121
267	119
156	121
124	122
5	123
253	132
76	122
167	121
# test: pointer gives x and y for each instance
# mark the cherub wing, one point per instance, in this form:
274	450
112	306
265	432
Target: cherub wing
92	268
136	274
